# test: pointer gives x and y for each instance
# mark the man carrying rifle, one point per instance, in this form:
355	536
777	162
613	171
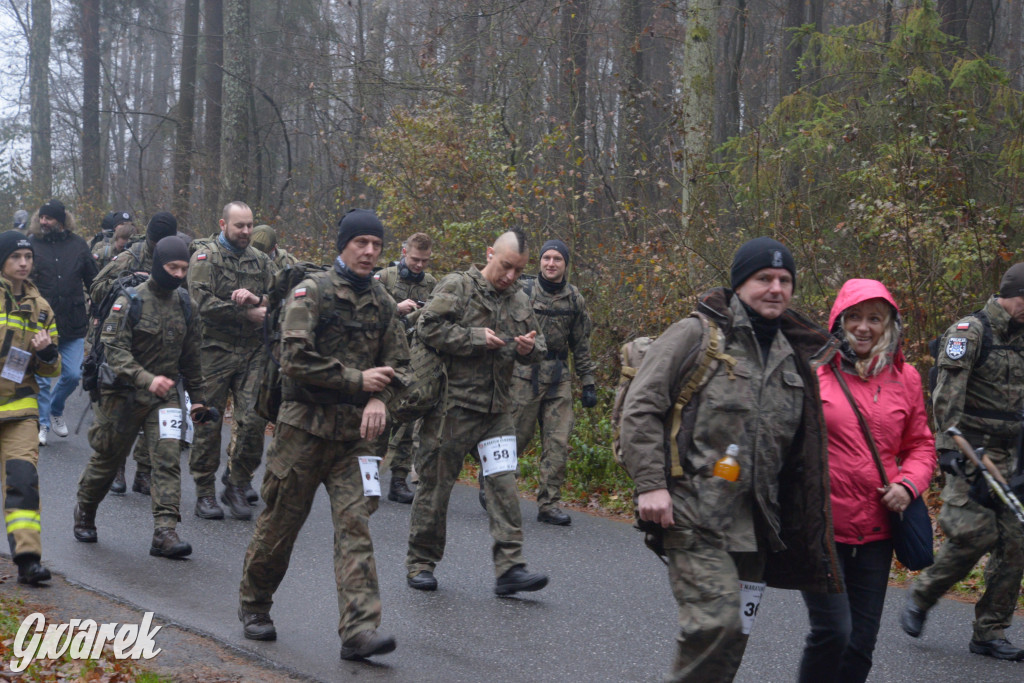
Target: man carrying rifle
980	389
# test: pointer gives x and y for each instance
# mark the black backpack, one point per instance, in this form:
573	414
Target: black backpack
95	371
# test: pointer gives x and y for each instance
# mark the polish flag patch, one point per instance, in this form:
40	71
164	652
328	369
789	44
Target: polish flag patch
963	326
300	292
116	307
200	257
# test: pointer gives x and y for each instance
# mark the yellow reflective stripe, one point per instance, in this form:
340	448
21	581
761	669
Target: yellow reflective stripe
23	519
21	404
15	515
19	526
17	323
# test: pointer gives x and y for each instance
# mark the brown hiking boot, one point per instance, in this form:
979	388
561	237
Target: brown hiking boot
167	544
257	625
85	524
234	498
141	482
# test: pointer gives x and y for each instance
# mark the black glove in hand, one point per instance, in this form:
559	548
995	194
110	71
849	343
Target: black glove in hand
206	414
589	397
951	462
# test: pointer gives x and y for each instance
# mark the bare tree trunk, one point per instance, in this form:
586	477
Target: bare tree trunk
575	14
954	18
213	84
92	171
697	104
185	137
727	122
235	130
39	99
631	70
1015	43
792	47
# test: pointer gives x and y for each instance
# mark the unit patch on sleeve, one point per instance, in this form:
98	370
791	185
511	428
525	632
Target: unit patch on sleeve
956	347
200	257
963	326
109	327
300	292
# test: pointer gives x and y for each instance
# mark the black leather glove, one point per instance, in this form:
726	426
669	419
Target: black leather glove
589	397
206	414
981	493
952	462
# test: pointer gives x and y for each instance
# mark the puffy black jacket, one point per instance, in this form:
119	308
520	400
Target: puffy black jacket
63	271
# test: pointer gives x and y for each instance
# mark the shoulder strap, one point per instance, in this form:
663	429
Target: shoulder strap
712	343
863	424
186	304
134	305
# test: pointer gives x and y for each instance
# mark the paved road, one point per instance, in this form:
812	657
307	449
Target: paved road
607	614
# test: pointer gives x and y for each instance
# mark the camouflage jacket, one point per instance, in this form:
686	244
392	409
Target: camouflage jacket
20	320
324	352
981	399
162	342
282	259
401	289
462	305
214	273
136	258
771	410
566	326
103	253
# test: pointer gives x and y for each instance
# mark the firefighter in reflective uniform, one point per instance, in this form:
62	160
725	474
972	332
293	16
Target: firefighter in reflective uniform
30	349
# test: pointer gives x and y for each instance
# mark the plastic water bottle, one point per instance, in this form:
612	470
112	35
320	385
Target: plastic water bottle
728	467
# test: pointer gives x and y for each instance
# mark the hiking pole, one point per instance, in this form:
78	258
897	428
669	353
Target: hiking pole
993	477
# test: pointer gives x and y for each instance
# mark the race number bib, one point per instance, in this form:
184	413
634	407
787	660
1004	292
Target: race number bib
170	423
498	455
750	599
16	365
369	469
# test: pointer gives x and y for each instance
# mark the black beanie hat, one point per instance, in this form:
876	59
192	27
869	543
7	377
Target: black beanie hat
1012	283
759	253
55	210
161	225
358	222
557	245
168	249
114	219
10	242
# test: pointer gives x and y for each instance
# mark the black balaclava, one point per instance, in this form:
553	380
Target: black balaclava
161	225
168	249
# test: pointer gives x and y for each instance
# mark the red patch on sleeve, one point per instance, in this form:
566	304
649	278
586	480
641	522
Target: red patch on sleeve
963	326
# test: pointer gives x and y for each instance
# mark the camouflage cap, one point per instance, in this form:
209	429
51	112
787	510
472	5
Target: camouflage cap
264	238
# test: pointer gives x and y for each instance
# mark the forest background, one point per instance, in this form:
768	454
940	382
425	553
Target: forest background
877	138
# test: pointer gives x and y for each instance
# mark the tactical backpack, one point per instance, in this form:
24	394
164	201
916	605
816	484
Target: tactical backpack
427	387
987	346
698	369
96	374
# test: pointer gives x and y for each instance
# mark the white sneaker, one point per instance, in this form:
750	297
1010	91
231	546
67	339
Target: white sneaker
58	425
42	435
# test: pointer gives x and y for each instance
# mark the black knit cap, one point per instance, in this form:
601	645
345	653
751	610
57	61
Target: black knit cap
161	225
55	210
557	245
358	222
168	249
1012	283
759	253
114	219
10	242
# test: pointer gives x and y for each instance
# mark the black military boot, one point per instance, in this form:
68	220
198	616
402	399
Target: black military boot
1000	648
250	493
85	524
118	486
555	516
399	491
30	571
141	482
257	625
207	508
167	544
367	644
518	579
234	498
912	618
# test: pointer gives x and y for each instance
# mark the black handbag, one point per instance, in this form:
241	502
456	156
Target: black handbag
912	528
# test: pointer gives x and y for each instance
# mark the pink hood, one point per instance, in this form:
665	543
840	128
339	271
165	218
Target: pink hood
859	290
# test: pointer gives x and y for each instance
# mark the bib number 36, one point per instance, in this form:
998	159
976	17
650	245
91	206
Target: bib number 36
750	600
498	455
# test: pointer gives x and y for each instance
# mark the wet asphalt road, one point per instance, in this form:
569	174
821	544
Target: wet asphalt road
607	614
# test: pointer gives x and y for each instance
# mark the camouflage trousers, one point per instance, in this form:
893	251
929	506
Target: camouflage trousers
705	583
397	452
298	463
141	455
971	531
118	420
440	461
552	408
19	480
237	372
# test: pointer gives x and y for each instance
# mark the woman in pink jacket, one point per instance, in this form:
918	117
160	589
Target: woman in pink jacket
866	321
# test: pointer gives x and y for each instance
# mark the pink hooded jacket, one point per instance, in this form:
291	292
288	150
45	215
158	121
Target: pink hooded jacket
892	403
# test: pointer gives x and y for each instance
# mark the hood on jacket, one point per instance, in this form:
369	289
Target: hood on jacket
859	290
70	225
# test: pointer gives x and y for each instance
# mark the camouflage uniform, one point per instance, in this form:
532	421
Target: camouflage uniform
232	347
162	342
399	450
20	320
543	392
316	441
104	253
984	401
282	259
478	407
767	526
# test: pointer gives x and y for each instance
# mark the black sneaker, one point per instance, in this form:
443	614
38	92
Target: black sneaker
999	648
367	644
518	579
257	625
